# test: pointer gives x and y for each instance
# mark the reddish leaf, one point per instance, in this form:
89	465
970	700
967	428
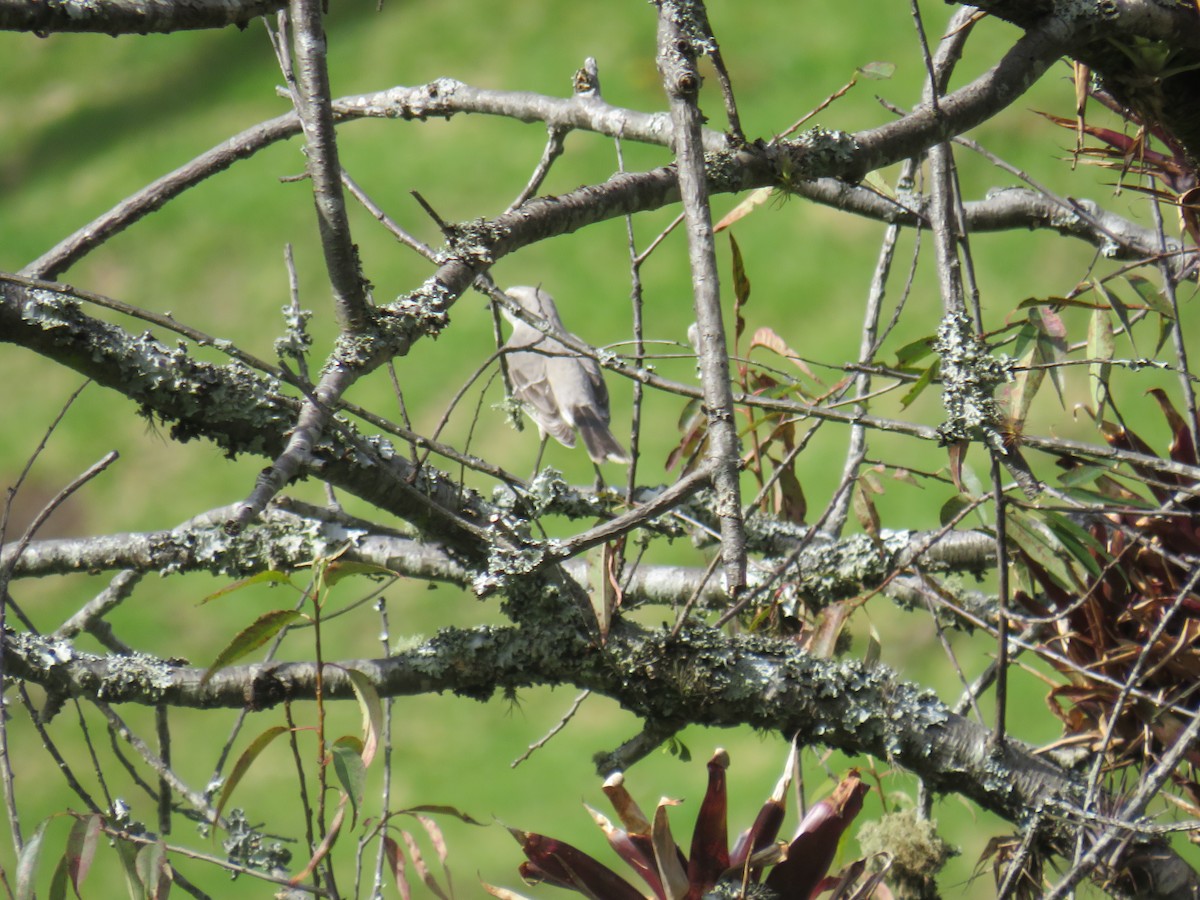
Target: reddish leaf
81	848
1182	449
636	850
811	853
395	858
709	855
769	819
558	863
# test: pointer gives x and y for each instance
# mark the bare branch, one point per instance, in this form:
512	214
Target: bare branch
130	16
677	53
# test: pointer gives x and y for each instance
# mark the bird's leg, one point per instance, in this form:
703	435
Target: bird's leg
537	463
599	485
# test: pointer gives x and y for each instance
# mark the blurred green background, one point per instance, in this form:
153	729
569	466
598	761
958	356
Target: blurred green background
87	120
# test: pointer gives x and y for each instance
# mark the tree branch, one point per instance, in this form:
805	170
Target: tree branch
701	675
130	16
677	53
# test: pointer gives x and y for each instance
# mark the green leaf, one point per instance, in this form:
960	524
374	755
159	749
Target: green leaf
874	648
1100	346
371	708
877	71
1027	380
1081	476
1055	301
1078	540
1052	342
351	773
249	755
336	571
952	508
1151	296
921	383
127	854
251	638
58	884
1119	308
914	352
27	862
270	577
151	861
741	284
1040	544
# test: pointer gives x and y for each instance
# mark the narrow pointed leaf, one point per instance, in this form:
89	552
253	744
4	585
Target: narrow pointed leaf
877	71
127	854
1151	296
812	851
249	755
914	352
60	880
331	836
418	861
741	288
709	854
562	864
1041	545
1118	307
637	853
81	849
395	858
1101	347
918	388
251	638
666	852
27	862
627	809
1182	449
371	708
151	862
756	199
438	840
503	893
336	571
351	773
269	577
769	339
770	817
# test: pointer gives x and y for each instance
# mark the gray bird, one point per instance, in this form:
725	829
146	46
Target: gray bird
563	392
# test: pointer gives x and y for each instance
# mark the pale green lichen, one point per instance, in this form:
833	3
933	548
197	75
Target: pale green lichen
913	847
970	376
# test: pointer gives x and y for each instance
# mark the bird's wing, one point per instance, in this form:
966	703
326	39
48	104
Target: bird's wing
595	379
532	387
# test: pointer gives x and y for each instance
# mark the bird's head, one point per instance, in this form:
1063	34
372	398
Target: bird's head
535	301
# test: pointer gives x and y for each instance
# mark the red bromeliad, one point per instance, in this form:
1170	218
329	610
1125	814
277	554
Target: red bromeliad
758	866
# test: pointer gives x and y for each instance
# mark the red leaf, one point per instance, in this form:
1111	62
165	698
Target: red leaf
709	856
561	864
811	853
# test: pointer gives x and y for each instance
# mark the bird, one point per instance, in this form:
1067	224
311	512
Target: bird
563	392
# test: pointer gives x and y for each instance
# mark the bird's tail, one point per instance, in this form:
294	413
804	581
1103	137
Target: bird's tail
598	438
